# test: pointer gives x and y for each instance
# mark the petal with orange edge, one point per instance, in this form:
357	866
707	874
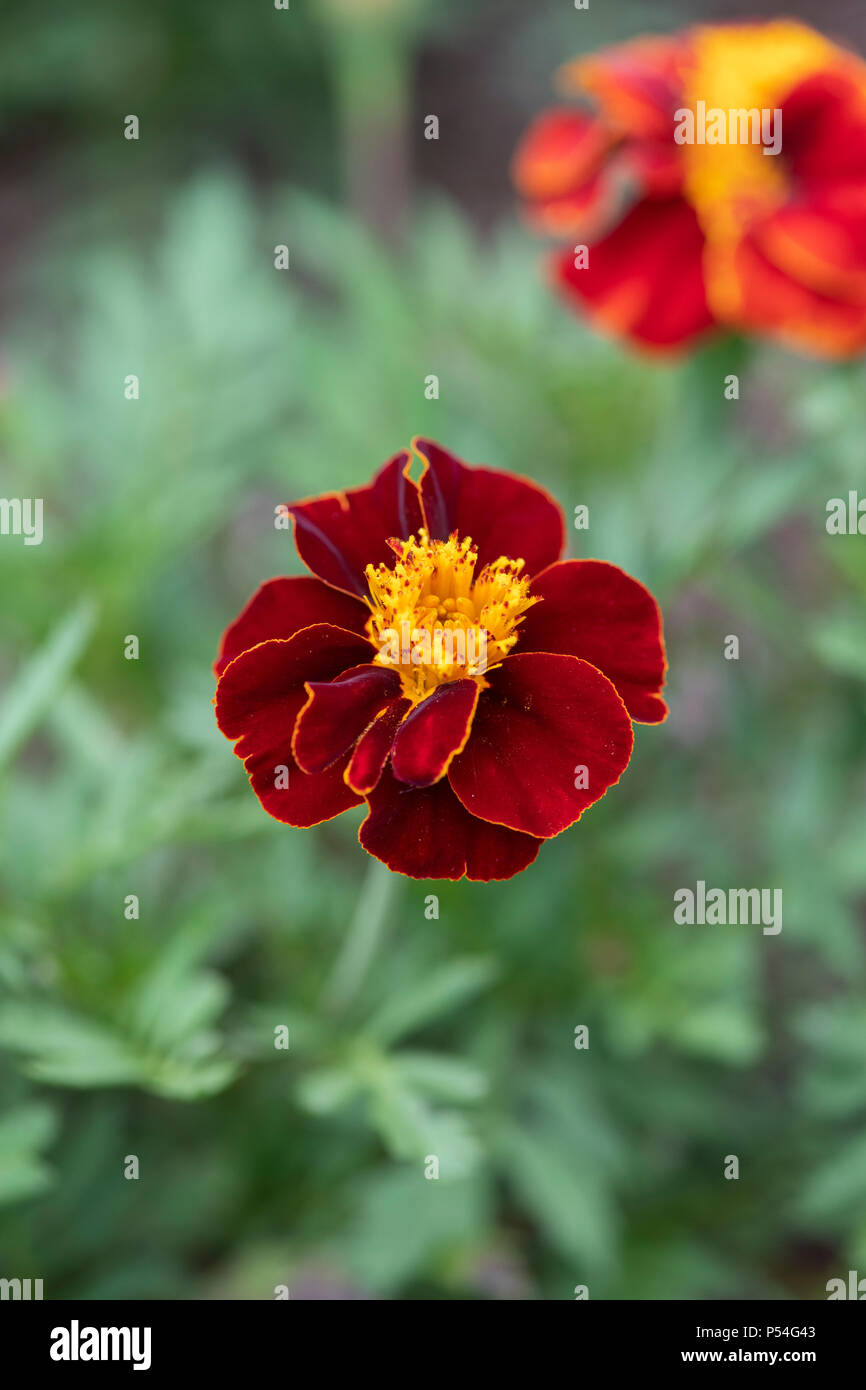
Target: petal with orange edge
258	699
598	612
434	733
282	607
424	832
337	712
550	736
504	514
339	534
374	745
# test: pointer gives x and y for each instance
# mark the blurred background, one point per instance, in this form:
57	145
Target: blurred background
154	1036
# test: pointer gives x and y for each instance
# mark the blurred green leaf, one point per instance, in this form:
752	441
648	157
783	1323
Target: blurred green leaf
36	685
567	1197
24	1133
444	989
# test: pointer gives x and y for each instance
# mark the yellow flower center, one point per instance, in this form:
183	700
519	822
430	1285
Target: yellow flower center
434	620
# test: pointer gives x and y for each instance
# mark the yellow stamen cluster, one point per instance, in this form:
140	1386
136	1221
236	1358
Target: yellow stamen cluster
430	591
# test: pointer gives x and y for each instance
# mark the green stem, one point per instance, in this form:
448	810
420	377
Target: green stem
370	55
363	937
705	374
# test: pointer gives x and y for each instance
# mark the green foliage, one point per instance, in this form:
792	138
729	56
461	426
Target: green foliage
24	1132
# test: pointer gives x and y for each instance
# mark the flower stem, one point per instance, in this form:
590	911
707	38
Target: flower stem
363	937
706	372
370	52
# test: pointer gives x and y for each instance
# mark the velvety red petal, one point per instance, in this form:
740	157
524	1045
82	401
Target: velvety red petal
434	733
559	152
424	832
546	723
307	800
504	514
258	699
339	534
374	745
644	280
338	712
282	607
253	685
598	612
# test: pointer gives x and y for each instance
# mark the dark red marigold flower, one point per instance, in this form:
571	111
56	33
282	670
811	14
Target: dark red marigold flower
442	664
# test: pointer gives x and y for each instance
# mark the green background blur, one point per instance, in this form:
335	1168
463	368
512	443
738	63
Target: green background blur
454	1036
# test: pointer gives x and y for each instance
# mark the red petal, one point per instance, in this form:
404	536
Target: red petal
253	685
635	170
307	800
504	514
424	832
762	298
818	247
645	279
282	607
559	152
338	712
337	535
258	699
637	84
598	612
655	165
824	121
434	733
372	749
543	721
583	213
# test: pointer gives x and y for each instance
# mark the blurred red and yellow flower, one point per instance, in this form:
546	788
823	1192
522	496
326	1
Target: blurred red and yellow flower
466	769
685	238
